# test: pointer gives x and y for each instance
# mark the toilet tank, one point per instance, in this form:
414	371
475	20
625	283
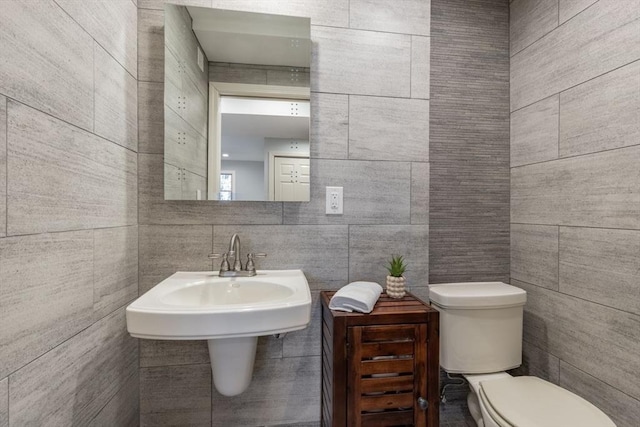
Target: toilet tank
480	326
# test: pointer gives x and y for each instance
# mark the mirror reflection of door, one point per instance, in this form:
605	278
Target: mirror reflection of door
291	177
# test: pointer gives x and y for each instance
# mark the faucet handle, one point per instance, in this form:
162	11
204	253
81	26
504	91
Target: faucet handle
224	265
251	266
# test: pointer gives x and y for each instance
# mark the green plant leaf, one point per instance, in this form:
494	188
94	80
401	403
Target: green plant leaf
396	266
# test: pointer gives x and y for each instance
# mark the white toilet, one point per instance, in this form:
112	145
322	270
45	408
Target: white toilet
480	338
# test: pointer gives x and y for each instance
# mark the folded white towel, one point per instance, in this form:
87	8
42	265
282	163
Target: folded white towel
358	296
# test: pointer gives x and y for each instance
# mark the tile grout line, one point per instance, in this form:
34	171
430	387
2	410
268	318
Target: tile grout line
9	381
137	58
76	230
578	298
411	66
6	169
509	138
324	92
348	127
511	55
576	156
8	400
93	274
93	92
348	253
575	226
558	279
560	360
576	85
559	122
95	41
125	382
411	193
93	323
66	122
557	26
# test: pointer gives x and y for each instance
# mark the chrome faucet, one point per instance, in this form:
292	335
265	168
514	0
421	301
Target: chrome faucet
234	251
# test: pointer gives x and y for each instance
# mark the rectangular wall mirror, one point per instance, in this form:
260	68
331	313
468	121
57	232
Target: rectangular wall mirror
236	105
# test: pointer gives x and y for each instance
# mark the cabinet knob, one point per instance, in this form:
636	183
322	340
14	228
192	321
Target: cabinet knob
422	403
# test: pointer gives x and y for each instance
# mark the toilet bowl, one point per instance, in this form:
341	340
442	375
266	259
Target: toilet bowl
480	338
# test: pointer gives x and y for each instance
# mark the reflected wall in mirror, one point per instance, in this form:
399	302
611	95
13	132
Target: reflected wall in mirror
236	105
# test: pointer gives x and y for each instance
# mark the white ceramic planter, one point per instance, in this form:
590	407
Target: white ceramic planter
395	287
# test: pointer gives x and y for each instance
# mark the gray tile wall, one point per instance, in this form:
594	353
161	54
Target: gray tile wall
469	141
3	166
468	152
68	212
4	402
185	144
370	134
575	195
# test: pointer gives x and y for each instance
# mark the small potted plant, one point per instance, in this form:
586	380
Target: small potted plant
395	279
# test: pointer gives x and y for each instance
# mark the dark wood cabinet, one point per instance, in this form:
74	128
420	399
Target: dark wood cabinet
380	369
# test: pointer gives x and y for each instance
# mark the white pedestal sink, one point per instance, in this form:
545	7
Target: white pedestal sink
230	313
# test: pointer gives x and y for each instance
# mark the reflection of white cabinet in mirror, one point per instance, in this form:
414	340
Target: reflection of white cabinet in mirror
261	60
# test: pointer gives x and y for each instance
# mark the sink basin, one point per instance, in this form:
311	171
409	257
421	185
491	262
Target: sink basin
230	313
201	305
238	293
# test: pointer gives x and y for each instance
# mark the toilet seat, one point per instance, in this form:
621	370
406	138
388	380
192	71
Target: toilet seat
533	402
489	411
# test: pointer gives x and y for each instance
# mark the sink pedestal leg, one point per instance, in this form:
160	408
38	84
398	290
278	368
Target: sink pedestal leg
232	363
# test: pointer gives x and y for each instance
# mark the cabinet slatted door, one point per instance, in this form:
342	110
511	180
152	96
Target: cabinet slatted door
377	367
385	380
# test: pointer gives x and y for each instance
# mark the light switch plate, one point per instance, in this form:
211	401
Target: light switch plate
334	204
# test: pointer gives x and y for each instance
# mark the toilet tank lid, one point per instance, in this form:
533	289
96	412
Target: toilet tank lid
476	295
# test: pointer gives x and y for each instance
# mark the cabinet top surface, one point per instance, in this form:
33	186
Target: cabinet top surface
386	306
